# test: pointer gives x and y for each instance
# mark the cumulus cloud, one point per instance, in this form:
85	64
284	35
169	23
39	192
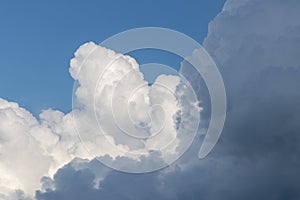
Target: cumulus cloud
136	123
260	70
254	45
32	148
126	115
253	42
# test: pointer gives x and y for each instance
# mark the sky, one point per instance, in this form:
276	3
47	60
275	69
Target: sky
254	43
38	40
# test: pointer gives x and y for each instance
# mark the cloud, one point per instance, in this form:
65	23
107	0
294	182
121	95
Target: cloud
128	187
32	148
254	45
260	70
213	179
20	153
124	104
134	119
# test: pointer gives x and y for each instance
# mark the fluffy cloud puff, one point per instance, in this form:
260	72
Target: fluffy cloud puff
133	118
121	96
32	148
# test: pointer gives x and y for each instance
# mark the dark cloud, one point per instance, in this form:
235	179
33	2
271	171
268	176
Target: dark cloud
71	183
255	45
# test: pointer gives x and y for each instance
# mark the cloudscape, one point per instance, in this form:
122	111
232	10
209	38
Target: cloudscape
126	137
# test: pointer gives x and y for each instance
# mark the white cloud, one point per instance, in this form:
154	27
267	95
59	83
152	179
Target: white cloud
32	148
127	109
124	104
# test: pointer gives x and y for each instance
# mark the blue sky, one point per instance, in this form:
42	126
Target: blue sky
38	40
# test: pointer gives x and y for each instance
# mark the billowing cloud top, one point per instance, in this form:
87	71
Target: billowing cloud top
122	120
126	115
